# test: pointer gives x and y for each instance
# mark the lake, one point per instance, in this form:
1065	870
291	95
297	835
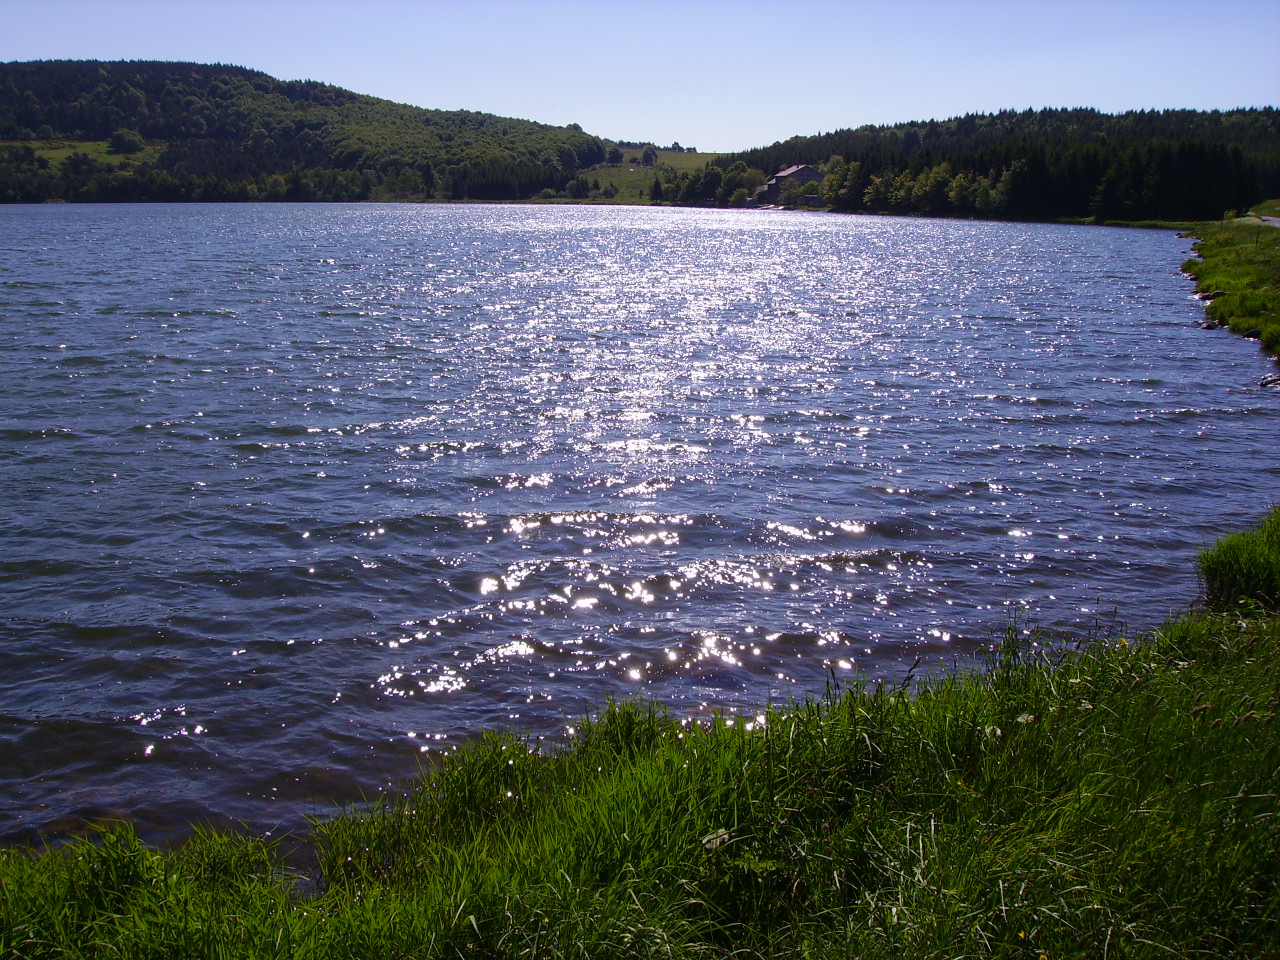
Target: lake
295	497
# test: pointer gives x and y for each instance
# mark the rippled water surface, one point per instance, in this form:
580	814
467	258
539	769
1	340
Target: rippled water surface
292	494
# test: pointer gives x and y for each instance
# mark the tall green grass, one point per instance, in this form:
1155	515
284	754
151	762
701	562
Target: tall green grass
1244	567
1122	800
1240	258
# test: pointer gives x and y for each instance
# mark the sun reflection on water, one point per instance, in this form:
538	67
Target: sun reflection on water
475	467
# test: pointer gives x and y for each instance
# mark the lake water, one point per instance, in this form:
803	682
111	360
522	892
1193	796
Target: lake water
295	495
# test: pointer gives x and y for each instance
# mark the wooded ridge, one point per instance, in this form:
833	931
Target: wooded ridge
1045	164
141	130
219	132
1054	164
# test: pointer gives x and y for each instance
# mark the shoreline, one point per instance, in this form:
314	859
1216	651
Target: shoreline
1235	276
1122	793
1119	797
1170	225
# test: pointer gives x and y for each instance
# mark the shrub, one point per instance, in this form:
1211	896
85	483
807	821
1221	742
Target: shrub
126	141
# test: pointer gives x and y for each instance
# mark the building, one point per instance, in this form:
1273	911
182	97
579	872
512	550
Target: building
802	173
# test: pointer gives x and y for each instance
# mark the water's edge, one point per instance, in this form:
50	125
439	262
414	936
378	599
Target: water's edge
309	495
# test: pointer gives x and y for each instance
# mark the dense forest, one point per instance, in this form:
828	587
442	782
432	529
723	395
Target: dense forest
89	130
1038	165
185	131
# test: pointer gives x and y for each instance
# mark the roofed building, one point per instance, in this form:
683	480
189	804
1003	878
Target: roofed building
802	173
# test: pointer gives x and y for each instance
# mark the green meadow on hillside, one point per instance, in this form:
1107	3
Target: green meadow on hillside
57	151
632	183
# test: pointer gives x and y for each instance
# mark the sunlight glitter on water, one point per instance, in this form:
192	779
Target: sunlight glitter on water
447	467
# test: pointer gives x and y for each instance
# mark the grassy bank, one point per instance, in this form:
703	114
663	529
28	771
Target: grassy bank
1120	801
1238	267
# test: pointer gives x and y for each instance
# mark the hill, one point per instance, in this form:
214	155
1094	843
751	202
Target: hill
139	130
142	130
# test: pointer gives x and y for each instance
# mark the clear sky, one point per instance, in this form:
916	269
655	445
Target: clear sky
719	75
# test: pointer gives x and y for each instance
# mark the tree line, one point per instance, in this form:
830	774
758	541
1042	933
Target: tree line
1045	164
183	131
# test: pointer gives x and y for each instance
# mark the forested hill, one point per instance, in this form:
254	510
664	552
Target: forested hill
141	130
1047	164
183	131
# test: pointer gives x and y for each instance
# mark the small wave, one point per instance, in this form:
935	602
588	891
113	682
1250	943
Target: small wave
76	361
23	434
513	494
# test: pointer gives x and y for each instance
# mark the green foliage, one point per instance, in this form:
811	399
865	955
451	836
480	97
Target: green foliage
632	183
1047	164
793	193
114	897
1239	262
230	132
126	141
1118	801
1244	568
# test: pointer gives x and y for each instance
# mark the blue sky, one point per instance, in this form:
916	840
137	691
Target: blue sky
716	74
